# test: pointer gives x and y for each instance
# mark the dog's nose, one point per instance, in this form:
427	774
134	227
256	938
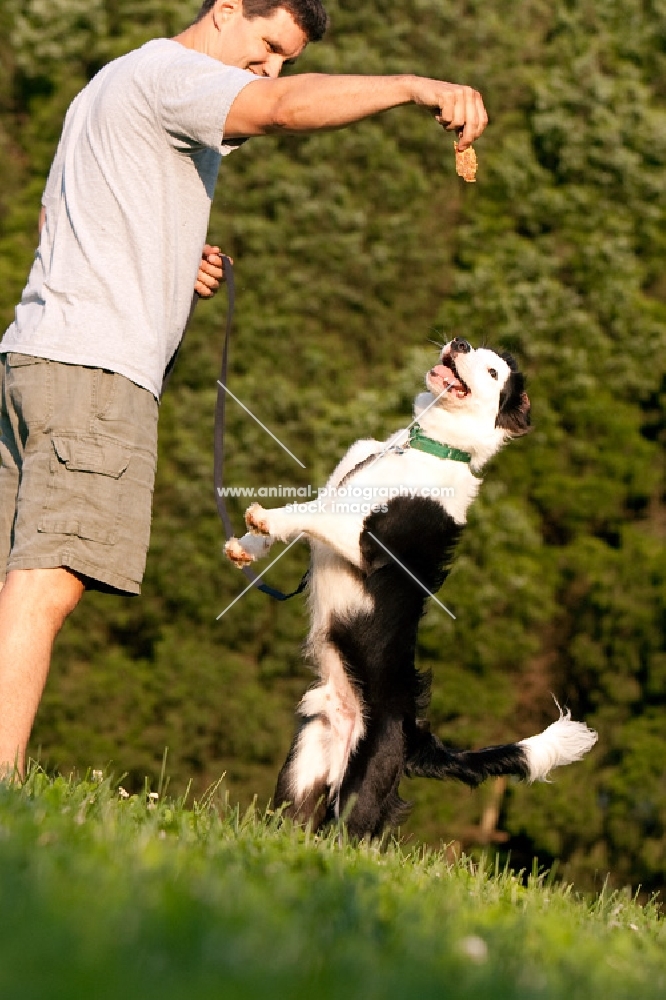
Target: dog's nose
460	346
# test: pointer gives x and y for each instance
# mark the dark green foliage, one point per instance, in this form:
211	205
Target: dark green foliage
353	249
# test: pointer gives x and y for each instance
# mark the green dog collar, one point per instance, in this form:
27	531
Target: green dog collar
418	440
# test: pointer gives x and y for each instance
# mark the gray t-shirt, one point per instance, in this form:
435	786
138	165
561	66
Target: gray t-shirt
127	205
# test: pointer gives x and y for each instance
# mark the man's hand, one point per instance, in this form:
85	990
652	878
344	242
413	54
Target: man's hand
456	107
211	272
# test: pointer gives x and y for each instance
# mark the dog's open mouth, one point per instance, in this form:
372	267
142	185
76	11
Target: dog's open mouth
447	374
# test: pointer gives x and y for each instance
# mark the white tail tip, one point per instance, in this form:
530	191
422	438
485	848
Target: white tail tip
564	742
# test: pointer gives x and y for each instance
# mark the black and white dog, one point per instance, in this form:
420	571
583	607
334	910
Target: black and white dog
373	566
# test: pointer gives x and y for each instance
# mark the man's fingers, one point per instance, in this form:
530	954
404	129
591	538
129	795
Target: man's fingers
209	282
211	276
463	111
213	268
211	271
458	114
476	119
209	279
214	253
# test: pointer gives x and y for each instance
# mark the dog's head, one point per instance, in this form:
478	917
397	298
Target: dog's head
480	400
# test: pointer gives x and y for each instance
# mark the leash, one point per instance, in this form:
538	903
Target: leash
218	445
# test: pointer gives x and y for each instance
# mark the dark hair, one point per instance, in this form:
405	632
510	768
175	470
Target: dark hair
309	15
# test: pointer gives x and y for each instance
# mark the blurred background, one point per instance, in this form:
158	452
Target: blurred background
354	251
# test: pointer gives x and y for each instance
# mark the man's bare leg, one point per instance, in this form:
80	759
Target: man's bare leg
33	606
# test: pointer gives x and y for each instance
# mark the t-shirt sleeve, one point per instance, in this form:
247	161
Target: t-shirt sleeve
195	96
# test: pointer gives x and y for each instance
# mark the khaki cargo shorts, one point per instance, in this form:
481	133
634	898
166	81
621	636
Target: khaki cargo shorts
78	448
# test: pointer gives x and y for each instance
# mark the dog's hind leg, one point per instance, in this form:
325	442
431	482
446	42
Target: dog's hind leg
331	729
369	800
302	785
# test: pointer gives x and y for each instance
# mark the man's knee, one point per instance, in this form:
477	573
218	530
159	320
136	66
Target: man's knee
55	592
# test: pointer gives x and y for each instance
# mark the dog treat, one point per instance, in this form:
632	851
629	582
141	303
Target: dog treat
466	163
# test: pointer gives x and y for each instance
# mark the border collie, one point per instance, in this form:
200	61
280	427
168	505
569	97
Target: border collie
373	566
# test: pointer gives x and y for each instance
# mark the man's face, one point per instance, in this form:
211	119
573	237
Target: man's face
262	45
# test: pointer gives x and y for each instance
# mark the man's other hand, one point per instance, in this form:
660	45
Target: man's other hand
211	272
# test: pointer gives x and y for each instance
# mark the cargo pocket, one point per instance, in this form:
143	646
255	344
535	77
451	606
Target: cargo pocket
28	385
85	488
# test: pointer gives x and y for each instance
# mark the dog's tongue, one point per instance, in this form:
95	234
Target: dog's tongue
447	375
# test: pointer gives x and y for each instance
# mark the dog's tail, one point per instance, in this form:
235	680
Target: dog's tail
563	742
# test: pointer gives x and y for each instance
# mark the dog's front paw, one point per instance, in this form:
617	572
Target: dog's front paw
256	519
234	551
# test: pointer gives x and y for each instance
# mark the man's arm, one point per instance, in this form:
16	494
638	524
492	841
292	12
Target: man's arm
310	102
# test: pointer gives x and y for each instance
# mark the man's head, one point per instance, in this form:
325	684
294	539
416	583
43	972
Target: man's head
309	15
259	35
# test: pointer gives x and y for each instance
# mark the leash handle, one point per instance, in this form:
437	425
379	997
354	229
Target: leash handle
220	406
218	445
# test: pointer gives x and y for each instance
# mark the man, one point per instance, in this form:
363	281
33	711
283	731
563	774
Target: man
124	217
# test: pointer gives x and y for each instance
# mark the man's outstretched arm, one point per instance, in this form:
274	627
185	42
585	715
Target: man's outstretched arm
310	102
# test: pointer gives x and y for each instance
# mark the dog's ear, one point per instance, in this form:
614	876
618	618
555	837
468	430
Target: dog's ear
514	406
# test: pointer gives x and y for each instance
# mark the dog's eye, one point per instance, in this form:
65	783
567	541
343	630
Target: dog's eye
492	373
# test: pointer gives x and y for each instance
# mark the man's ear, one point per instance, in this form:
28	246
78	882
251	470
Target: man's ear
514	406
223	9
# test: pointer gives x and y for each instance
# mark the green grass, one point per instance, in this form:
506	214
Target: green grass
106	897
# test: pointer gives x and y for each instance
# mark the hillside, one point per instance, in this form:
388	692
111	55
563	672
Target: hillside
145	897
